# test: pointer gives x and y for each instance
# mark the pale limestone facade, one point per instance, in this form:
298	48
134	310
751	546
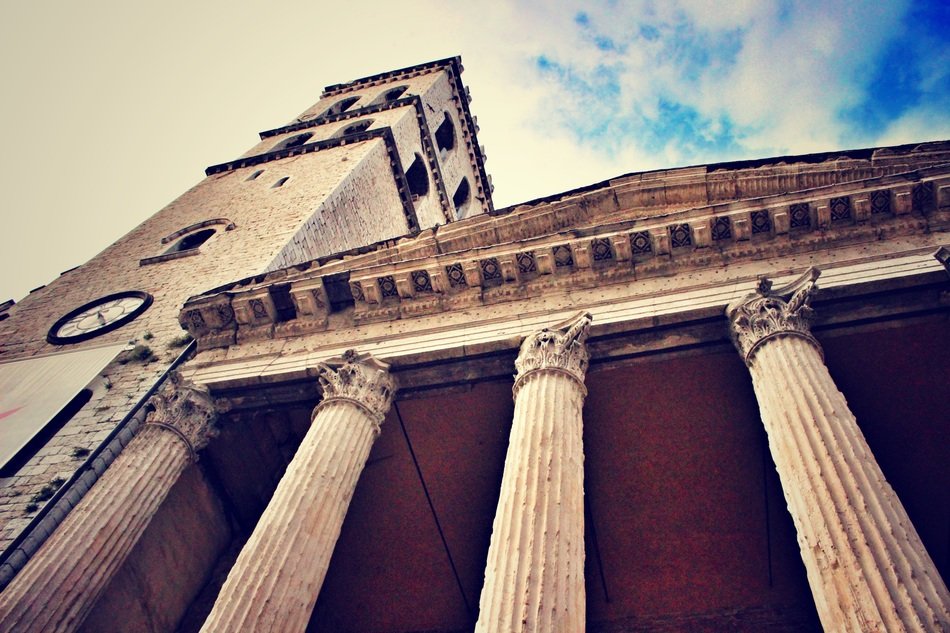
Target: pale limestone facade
666	265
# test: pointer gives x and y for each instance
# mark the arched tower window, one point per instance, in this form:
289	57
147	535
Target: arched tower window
461	197
392	94
341	106
356	128
191	241
186	240
445	135
418	177
255	175
293	141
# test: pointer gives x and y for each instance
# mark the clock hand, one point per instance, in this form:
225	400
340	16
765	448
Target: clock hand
102	319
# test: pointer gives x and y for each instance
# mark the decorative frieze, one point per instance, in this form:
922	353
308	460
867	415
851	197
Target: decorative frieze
311	301
510	272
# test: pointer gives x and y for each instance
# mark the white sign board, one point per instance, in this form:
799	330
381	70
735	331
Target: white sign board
34	390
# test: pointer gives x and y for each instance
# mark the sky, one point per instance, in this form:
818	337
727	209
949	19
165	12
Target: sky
112	109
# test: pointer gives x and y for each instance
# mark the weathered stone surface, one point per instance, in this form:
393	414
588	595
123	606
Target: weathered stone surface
866	565
534	578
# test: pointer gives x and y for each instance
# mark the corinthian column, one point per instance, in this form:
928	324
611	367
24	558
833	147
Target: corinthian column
866	565
275	581
63	581
534	578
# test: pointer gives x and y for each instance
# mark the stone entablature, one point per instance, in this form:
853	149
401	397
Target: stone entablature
439	349
713	236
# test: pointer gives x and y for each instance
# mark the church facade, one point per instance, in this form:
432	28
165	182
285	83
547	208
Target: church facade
332	388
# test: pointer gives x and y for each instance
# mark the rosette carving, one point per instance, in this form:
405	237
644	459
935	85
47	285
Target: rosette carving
358	378
769	312
185	409
560	348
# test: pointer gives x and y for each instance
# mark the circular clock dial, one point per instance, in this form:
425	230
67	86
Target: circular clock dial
98	317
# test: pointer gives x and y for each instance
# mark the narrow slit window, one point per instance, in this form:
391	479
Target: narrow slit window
445	135
417	177
255	175
281	182
461	197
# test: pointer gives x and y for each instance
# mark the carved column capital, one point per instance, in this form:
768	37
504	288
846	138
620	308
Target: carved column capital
185	409
768	313
358	378
560	348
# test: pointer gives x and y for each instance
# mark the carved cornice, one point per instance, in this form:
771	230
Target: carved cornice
185	409
768	313
418	277
560	348
359	379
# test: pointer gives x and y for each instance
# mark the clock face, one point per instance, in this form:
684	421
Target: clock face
98	317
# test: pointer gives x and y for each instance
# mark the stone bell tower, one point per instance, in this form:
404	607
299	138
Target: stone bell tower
375	158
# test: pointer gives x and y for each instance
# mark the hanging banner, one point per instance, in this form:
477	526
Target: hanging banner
34	390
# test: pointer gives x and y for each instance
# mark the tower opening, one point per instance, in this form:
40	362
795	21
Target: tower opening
191	240
341	106
461	197
417	177
293	141
356	128
393	94
445	135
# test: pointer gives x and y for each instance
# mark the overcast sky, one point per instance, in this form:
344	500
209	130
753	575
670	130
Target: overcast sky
112	109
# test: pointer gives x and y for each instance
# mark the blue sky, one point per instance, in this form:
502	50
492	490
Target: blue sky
758	79
112	109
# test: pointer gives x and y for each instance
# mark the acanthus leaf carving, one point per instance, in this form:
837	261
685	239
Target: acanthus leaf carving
185	409
358	378
768	313
561	348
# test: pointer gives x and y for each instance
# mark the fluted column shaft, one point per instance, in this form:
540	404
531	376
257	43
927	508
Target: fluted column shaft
866	566
276	579
61	584
534	577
